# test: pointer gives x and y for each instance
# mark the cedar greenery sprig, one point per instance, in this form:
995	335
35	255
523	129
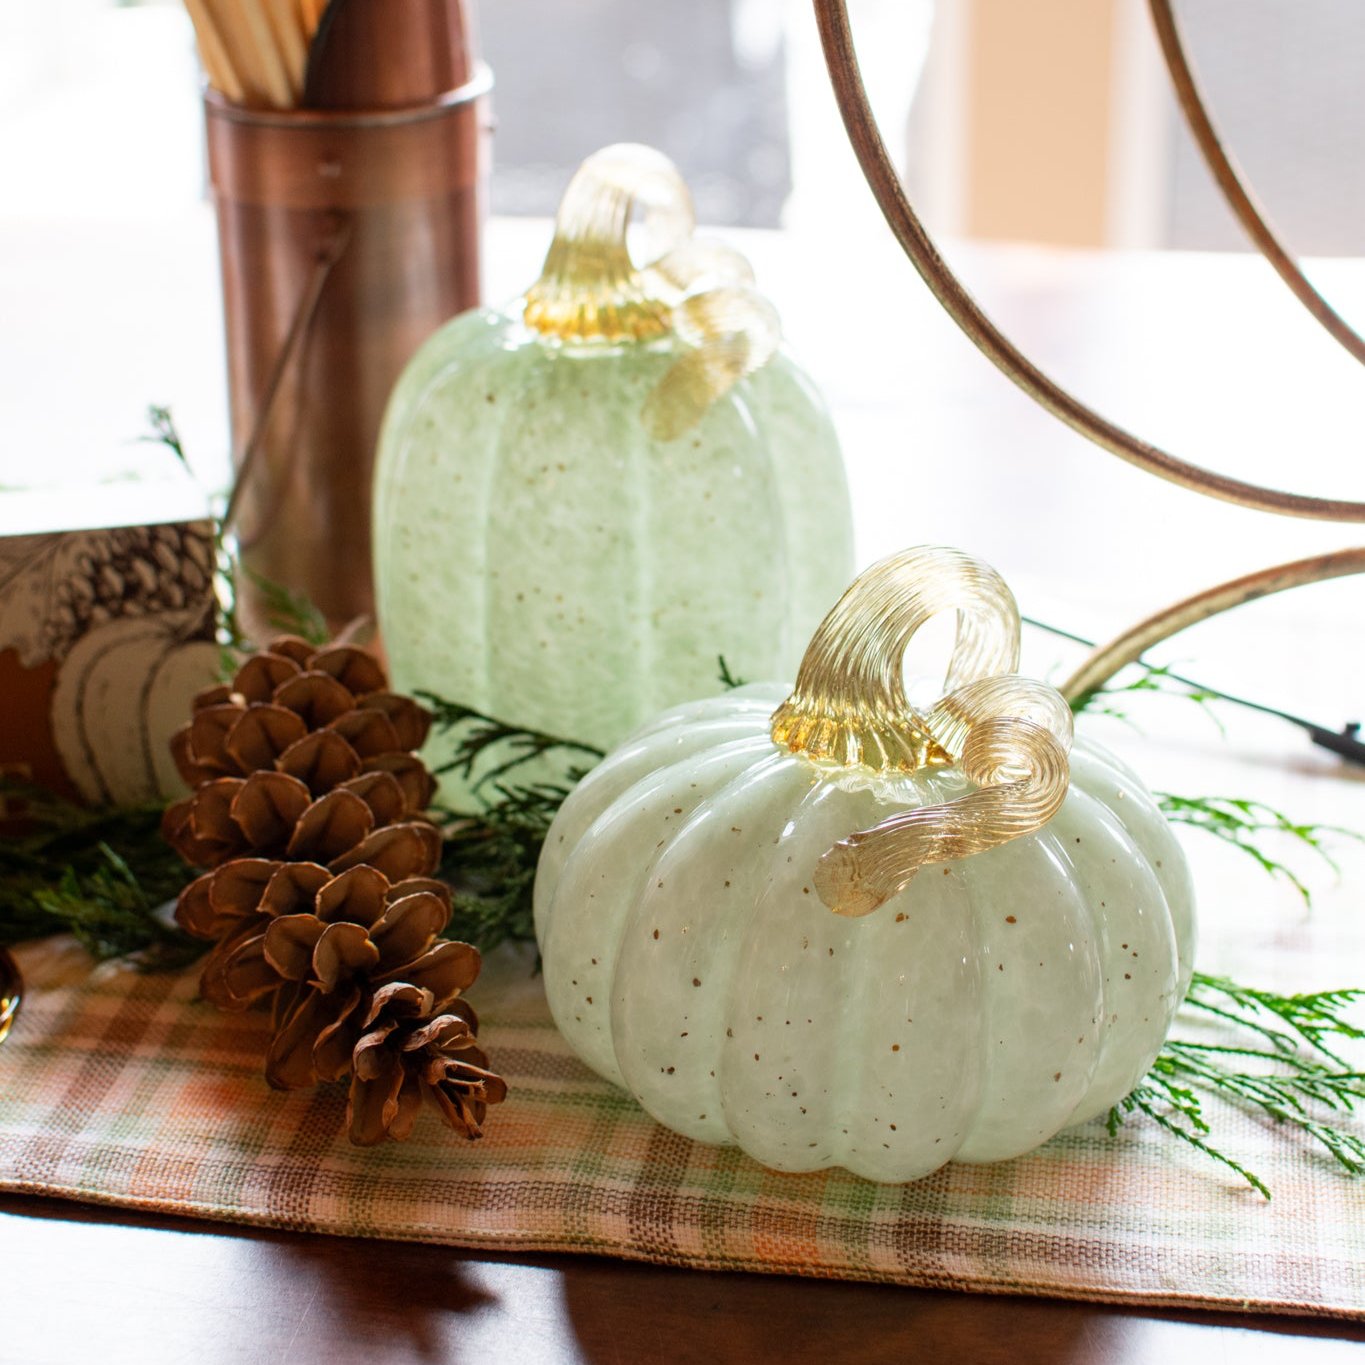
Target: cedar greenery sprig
98	874
1153	679
1242	823
485	734
1288	1066
286	612
727	679
163	432
491	852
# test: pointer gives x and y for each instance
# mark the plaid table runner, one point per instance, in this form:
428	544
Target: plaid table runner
122	1089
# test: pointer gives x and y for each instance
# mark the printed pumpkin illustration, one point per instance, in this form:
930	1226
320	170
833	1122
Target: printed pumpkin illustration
124	617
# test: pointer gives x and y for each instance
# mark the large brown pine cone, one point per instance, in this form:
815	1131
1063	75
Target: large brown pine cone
305	755
406	1057
321	946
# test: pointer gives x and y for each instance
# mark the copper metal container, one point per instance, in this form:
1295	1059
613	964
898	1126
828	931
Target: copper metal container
346	239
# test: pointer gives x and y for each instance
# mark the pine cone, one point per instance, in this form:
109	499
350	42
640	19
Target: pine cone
321	946
304	755
407	1057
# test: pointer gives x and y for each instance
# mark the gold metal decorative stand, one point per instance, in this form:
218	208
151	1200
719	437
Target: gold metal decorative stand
861	126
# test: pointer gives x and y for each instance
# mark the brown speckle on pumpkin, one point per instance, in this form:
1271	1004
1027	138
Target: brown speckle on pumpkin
696	981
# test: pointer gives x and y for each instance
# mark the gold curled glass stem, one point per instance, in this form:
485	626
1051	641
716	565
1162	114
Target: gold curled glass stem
1011	736
861	126
1233	186
1105	661
849	703
591	289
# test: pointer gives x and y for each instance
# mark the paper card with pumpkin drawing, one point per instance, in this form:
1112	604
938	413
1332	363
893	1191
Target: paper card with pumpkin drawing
106	633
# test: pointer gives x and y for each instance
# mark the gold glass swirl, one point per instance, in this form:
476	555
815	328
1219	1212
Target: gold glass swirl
1010	736
701	292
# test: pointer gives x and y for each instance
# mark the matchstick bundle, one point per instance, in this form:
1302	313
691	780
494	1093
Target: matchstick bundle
255	51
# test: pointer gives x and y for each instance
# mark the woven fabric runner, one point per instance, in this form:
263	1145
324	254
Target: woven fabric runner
122	1089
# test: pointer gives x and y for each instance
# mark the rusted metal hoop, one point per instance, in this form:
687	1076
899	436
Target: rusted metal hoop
863	134
1234	187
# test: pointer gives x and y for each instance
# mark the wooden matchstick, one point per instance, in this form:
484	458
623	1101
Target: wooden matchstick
290	41
267	59
213	53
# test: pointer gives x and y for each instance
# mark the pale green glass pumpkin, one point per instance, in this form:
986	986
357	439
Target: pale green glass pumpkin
1015	931
583	499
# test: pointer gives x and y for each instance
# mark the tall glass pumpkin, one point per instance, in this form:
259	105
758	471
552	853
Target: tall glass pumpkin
584	498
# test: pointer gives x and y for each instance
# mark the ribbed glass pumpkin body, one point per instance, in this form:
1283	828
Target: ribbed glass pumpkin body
991	1003
542	558
585	500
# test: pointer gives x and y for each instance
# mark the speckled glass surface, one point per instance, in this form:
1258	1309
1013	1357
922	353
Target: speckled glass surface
987	1006
541	558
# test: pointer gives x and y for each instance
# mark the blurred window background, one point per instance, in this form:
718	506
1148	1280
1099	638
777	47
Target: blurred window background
1048	120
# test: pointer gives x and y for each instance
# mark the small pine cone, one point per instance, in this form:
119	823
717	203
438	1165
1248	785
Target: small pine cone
304	755
320	947
406	1057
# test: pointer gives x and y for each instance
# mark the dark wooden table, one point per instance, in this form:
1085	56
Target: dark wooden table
93	1284
1205	354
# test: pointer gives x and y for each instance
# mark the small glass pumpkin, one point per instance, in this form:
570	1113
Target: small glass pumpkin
584	498
1014	921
